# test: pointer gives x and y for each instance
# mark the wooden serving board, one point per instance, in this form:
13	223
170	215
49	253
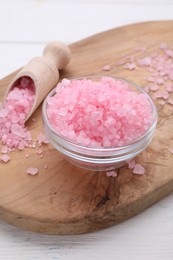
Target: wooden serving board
65	199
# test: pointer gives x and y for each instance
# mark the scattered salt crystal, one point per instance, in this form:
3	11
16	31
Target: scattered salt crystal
32	171
111	174
131	164
154	88
163	95
33	119
139	169
46	167
169	88
162	102
170	101
171	149
106	68
130	66
145	61
5	149
26	155
160	81
39	152
5	158
169	53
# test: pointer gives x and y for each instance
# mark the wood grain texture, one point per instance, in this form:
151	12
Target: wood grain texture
68	200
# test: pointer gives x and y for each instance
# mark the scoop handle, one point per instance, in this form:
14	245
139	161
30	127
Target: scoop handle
58	53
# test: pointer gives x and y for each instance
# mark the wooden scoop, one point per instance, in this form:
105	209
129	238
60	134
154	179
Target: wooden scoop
43	71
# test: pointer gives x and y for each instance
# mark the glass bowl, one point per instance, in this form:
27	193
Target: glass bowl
99	158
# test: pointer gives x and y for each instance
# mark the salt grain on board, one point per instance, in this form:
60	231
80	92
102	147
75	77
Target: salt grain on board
138	169
5	158
171	149
111	174
13	112
131	164
106	68
32	171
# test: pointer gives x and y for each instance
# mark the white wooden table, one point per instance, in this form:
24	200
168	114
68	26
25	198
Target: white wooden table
25	27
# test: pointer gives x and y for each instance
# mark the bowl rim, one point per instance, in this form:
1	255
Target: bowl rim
100	149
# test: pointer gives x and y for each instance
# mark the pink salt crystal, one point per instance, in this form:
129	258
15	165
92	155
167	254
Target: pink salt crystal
169	88
32	171
163	46
163	95
33	119
46	167
5	158
111	174
154	88
160	81
131	164
3	113
162	102
106	68
16	129
26	155
169	53
170	76
145	61
39	152
139	169
5	149
41	156
130	66
171	149
170	101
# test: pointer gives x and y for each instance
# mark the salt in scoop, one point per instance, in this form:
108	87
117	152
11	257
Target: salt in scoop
42	73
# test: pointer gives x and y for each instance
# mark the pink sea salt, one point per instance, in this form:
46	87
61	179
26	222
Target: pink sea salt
130	66
171	149
32	171
111	174
106	68
5	158
170	101
131	164
40	152
101	113
13	112
139	169
154	88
